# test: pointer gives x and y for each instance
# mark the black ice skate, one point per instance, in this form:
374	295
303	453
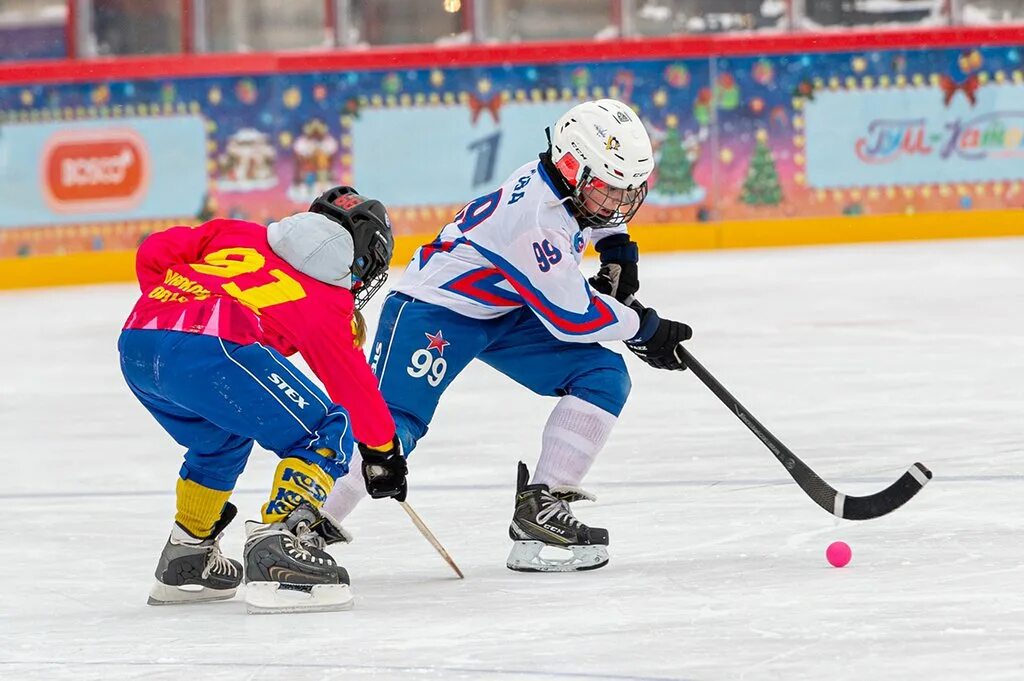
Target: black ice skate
543	520
287	568
192	569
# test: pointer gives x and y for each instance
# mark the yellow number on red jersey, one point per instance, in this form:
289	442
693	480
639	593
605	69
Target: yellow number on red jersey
232	262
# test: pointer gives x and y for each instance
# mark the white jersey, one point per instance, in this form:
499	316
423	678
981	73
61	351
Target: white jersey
518	245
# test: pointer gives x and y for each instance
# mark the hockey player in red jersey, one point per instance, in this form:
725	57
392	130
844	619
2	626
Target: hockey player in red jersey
204	350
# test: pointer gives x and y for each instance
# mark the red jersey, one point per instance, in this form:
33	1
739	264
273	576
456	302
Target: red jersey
222	279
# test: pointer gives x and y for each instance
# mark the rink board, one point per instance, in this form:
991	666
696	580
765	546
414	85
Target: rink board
758	140
113	266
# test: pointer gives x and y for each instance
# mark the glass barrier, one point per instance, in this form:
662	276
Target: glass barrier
990	12
860	13
398	22
674	17
137	26
33	29
519	20
264	25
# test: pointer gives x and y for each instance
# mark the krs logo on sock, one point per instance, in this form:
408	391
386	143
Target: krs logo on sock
286	501
305	483
293	486
283	386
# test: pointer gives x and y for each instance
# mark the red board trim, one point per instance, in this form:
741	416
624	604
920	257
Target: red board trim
418	56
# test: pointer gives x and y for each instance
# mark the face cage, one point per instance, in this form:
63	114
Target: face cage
597	192
368	289
369	274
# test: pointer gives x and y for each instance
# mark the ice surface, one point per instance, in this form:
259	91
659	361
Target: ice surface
863	359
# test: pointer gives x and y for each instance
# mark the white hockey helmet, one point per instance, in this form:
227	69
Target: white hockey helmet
603	151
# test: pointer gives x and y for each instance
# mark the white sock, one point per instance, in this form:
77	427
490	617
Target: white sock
574	434
348	491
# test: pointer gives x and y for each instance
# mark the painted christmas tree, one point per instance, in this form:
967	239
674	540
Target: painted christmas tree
675	169
761	187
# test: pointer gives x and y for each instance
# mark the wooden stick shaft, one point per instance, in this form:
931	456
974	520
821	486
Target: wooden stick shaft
429	536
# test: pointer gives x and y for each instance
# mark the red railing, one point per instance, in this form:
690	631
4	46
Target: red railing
184	66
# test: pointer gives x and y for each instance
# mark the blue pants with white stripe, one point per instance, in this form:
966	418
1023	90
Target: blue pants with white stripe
216	398
420	348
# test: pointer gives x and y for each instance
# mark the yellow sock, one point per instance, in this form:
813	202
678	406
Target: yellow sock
199	507
294	482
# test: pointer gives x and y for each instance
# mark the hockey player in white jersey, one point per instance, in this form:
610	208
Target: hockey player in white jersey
501	283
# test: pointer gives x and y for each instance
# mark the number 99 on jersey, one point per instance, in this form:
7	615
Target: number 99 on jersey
424	364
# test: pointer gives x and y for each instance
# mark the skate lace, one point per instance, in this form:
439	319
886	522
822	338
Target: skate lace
552	507
292	539
301	549
218	562
309	537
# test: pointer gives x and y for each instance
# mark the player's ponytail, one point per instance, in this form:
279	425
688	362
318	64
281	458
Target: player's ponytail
358	327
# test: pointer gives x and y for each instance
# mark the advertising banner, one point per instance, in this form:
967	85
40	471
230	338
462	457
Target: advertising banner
61	172
902	137
98	165
446	154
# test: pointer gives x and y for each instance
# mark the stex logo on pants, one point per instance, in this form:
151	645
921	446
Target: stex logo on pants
283	386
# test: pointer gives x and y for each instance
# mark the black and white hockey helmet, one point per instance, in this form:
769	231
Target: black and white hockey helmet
372	240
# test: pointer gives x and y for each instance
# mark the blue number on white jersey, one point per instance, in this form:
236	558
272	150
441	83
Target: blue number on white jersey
496	256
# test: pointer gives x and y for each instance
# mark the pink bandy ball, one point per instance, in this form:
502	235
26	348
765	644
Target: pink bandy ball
838	554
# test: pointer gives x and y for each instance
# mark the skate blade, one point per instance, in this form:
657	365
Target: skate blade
525	556
271	598
165	594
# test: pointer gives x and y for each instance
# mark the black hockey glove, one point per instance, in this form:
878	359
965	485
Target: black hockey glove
618	276
657	339
384	472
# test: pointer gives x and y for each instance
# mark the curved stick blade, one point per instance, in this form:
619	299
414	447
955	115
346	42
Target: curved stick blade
886	501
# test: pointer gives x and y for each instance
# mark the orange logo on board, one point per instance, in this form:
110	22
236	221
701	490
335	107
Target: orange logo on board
95	170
